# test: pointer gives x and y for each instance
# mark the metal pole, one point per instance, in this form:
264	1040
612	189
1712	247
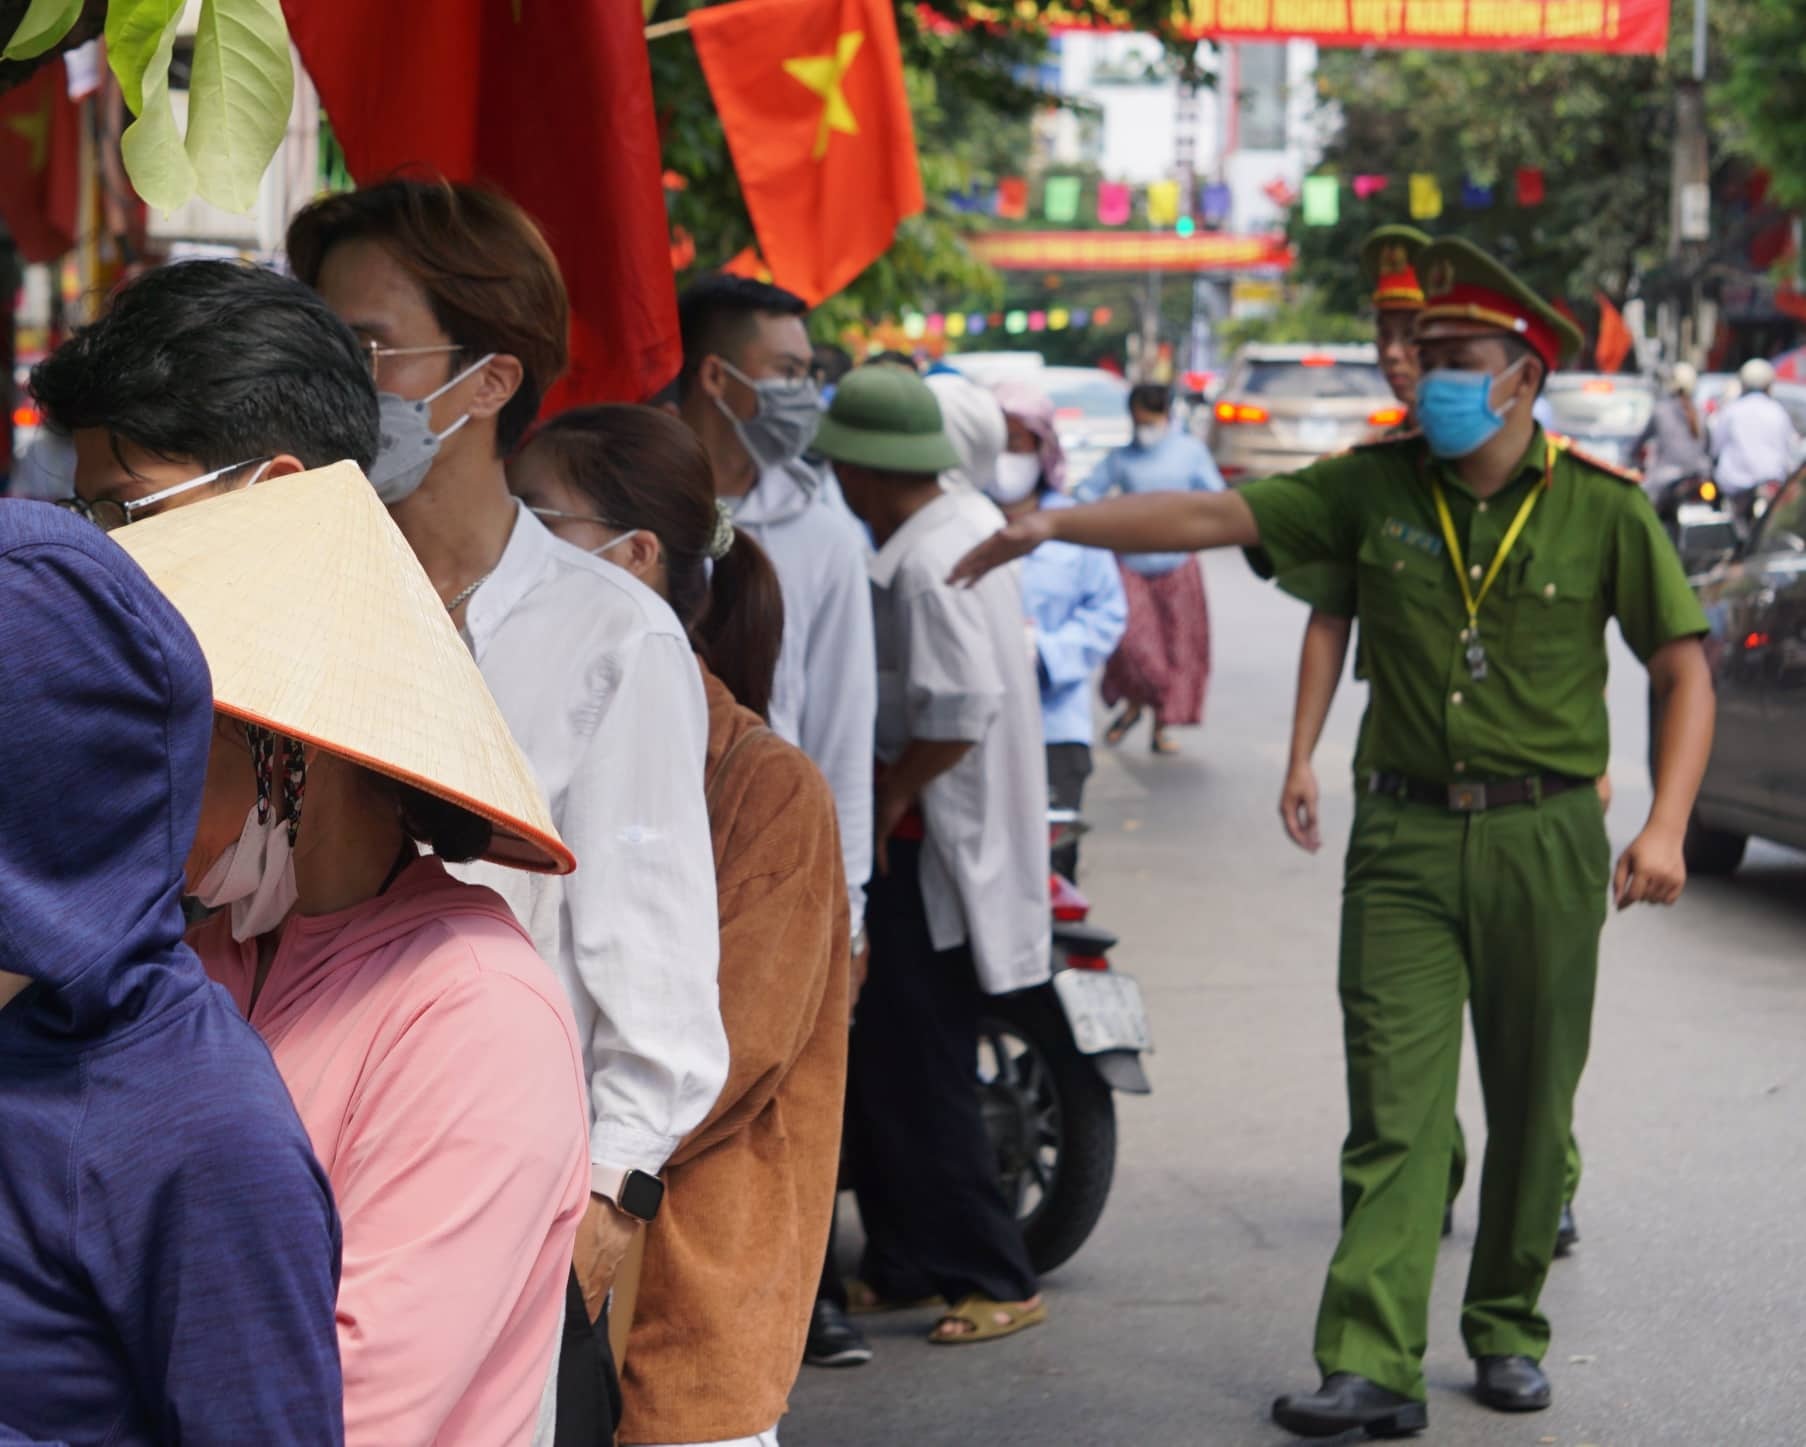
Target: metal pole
1699	39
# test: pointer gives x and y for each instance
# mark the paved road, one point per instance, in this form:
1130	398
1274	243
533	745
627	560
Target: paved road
1678	1322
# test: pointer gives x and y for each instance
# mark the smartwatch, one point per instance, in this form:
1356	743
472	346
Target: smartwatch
639	1194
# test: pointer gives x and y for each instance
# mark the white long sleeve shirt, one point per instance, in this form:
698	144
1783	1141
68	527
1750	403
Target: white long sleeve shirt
825	697
601	690
1755	442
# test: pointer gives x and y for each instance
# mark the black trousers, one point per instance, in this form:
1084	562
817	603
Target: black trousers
1068	766
589	1391
923	1166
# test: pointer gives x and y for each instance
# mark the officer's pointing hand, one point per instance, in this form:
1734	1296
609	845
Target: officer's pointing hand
1017	540
1651	871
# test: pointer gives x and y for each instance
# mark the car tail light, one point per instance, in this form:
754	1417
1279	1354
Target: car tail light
1240	412
1316	359
1069	905
1708	492
1087	962
1386	417
1068	414
1600	386
25	415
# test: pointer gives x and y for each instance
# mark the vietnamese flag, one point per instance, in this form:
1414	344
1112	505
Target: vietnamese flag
810	94
40	138
1614	341
549	101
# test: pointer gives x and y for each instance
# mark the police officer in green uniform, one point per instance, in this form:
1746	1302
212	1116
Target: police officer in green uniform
1488	561
1389	267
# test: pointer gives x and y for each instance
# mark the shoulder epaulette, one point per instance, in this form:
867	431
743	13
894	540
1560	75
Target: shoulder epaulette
1598	464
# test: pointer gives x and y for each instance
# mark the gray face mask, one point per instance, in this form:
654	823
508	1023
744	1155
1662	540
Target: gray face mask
409	446
789	415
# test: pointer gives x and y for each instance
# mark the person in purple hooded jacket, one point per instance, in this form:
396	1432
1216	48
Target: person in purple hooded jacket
169	1250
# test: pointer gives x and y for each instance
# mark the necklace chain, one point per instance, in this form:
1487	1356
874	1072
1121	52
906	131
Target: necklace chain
464	597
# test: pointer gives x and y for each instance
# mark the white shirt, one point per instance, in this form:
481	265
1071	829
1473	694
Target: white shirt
825	695
953	665
601	690
1755	441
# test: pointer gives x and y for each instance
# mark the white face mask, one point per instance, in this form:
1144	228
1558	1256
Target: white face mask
409	445
1017	476
255	875
1147	434
608	546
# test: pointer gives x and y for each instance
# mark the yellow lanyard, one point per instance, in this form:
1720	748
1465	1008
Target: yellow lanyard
1472	599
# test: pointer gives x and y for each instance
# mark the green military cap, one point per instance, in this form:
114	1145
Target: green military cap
1388	258
1462	284
887	418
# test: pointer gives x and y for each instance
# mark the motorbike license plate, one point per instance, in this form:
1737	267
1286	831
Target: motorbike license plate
1104	1010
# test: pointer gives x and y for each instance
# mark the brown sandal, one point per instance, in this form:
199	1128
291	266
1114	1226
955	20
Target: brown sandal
980	1313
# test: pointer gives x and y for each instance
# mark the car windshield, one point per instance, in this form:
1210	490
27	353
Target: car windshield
1314	380
1098	397
1598	406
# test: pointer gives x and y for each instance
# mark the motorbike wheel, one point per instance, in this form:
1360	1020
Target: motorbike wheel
1052	1121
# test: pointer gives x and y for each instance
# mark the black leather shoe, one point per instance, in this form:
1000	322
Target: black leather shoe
833	1340
1567	1235
1511	1384
1345	1402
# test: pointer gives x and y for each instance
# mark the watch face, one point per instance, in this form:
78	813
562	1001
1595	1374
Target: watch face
641	1195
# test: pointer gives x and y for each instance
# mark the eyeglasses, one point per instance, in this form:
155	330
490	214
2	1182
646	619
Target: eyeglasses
375	351
109	514
553	515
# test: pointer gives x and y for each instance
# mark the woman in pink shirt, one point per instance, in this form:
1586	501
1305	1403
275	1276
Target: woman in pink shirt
429	1051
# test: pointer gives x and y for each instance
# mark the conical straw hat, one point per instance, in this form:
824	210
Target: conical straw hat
318	622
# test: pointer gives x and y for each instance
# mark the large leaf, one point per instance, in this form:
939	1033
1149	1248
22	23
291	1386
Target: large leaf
45	23
141	36
239	96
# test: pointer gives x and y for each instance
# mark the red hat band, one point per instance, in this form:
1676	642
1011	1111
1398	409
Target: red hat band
1466	302
1398	291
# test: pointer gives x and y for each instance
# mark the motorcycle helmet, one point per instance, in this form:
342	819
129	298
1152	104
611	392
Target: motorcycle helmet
1756	375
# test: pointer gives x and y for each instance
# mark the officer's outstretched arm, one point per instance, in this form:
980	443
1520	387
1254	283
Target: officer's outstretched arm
1161	522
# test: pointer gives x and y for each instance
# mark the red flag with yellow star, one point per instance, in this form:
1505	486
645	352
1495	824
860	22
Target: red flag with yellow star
810	94
40	134
547	100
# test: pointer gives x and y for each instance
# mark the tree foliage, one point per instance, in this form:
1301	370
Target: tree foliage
1765	85
1600	127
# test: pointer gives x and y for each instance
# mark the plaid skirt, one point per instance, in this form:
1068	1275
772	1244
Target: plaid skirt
1163	661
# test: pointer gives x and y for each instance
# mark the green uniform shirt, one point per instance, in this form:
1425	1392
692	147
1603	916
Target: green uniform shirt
1592	550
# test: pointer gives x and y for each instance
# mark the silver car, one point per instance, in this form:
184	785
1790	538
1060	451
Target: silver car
1091	415
1283	407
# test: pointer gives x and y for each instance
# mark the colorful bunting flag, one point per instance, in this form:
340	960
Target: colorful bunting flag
1218	202
1060	199
1370	185
1530	186
1426	197
1012	198
956	324
1163	203
1322	200
1114	203
1474	195
1037	321
1016	323
1058	319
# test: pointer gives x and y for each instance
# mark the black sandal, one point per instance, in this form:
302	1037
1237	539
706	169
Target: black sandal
1124	721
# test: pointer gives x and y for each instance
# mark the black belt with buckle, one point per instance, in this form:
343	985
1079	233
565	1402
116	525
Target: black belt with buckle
1477	797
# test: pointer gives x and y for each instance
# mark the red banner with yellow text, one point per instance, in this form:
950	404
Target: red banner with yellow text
1624	27
1129	251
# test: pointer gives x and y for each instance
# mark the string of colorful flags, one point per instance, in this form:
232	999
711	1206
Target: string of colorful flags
1322	195
920	325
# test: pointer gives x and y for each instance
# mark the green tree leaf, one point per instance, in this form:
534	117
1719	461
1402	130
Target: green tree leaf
141	37
45	23
239	97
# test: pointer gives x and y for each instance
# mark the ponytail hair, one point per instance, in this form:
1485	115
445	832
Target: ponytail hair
644	469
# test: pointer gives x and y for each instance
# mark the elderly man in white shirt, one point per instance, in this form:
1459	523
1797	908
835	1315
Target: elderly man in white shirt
1754	437
461	306
959	905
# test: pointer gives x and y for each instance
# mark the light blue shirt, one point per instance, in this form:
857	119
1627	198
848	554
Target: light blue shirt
1178	462
1074	598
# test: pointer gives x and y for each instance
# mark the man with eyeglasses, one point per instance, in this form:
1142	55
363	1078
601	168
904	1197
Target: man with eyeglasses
462	313
204	377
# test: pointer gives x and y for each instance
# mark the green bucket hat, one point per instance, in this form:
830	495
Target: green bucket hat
886	418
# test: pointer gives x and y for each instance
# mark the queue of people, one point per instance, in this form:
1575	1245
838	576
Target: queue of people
541	795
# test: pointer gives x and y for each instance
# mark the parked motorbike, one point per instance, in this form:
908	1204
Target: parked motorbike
1701	526
1049	1060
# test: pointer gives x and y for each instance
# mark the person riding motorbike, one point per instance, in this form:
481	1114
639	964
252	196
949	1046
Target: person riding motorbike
1754	442
1673	446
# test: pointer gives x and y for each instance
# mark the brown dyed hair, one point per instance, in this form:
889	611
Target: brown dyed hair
642	468
486	271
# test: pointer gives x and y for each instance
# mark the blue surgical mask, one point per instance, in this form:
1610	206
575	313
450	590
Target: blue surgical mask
1456	413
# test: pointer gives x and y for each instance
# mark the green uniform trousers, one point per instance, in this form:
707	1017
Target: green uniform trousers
1458	1167
1501	911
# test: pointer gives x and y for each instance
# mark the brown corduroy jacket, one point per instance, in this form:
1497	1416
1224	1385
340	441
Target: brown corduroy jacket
734	1259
